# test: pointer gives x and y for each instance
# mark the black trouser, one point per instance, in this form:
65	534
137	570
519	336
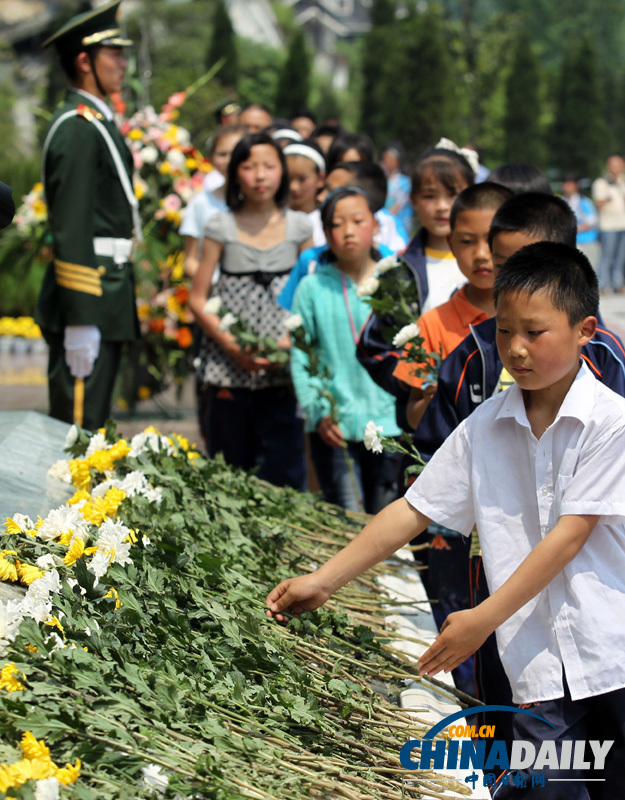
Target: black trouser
70	398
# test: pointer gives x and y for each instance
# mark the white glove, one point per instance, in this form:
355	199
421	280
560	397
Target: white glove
82	347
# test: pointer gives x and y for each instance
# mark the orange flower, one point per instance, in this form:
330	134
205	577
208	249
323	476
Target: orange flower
181	294
157	325
184	337
119	104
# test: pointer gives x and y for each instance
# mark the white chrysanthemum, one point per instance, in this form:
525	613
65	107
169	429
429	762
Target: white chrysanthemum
60	471
293	322
59	520
46	561
176	158
144	442
111	547
372	438
47	789
227	321
10	619
405	334
368	287
72	436
154	779
154	495
183	136
149	154
97	442
23	522
102	488
57	642
384	264
145	541
134	483
213	305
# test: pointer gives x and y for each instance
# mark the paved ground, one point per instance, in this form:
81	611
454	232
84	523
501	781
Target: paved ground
23	386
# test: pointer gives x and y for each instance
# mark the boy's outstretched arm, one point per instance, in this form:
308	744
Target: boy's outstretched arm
389	530
465	631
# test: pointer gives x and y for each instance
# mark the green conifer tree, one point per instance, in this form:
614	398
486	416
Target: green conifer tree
578	137
294	81
223	45
522	123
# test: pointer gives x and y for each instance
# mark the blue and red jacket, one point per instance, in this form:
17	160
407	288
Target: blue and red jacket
470	374
378	356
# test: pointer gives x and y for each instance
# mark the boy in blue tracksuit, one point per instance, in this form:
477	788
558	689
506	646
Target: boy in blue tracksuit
473	372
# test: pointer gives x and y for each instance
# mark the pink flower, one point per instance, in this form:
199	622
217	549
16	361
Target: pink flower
172	203
177	99
138	161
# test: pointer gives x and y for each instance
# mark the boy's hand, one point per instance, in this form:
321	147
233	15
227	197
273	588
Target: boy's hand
330	432
295	595
461	635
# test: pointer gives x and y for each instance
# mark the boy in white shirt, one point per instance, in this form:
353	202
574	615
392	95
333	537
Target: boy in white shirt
541	470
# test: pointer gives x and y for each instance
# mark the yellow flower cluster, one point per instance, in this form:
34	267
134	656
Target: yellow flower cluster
97	509
12	527
13	569
101	460
8	679
20	326
35	766
104	460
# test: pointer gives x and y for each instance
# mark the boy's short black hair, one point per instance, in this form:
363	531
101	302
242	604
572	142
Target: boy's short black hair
359	142
481	196
306	113
561	271
242	151
368	176
546	216
521	178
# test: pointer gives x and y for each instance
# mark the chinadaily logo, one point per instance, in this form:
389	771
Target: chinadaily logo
520	764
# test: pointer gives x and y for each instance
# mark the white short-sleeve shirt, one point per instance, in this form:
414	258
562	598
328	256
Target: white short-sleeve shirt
492	471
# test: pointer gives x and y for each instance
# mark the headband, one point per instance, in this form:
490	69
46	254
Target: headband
470	155
287	133
308	152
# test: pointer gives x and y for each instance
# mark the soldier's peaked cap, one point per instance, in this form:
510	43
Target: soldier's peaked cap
97	27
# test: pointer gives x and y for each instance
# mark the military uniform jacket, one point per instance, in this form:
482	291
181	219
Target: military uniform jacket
86	200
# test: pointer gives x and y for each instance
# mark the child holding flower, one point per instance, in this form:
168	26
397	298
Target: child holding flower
252	409
332	314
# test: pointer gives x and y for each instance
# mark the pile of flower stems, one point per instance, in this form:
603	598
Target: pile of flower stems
345	742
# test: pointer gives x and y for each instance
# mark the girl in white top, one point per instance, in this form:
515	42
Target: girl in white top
307	174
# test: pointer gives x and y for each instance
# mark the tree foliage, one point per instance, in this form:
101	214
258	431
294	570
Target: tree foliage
223	45
578	130
521	123
294	79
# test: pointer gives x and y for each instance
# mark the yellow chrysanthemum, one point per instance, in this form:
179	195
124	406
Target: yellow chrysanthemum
143	311
8	679
193	455
55	622
76	550
81	477
27	573
104	460
8	570
33	748
191	164
81	494
95	511
164	168
136	134
179	441
139	190
152	429
12	526
65	538
31	648
144	392
113	499
112	593
69	773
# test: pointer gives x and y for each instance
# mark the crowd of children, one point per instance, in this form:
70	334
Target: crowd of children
522	501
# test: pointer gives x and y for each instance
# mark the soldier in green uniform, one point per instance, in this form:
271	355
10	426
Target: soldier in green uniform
87	304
